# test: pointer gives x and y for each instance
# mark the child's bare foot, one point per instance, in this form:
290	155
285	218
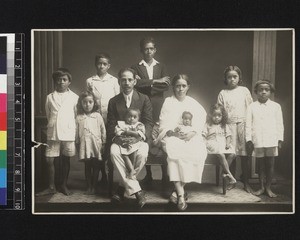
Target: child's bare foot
259	192
232	180
247	188
47	191
65	190
270	193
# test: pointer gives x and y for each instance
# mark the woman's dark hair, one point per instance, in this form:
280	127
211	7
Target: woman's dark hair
81	97
125	70
61	72
211	111
180	76
146	40
264	81
233	68
102	55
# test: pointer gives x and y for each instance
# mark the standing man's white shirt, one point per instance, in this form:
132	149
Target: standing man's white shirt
264	124
104	90
149	68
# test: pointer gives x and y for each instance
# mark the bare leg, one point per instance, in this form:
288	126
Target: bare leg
96	165
261	174
225	167
103	173
51	177
245	162
65	173
269	176
88	176
181	203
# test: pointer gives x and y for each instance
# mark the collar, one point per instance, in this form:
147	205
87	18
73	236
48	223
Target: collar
154	62
59	93
105	78
266	103
130	95
92	115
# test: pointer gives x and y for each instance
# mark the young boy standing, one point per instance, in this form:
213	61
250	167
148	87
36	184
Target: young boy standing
152	80
104	87
264	133
61	112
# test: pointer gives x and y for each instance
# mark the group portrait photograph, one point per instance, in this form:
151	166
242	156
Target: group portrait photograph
163	121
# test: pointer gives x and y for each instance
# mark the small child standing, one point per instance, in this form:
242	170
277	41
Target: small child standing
264	133
236	99
131	127
61	112
104	86
218	140
91	137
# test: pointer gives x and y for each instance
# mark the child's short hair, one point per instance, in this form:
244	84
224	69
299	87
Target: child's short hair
61	72
132	109
102	55
233	68
214	107
187	113
180	76
146	40
264	81
125	70
81	97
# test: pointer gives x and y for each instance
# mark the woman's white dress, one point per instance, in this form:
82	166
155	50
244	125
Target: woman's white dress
185	159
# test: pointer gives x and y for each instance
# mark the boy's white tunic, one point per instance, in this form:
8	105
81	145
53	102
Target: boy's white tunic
264	124
61	113
185	159
105	89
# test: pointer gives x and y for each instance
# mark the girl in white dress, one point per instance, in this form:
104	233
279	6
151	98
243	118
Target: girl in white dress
90	138
217	135
236	99
186	151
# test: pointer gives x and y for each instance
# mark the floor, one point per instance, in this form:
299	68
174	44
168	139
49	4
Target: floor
202	198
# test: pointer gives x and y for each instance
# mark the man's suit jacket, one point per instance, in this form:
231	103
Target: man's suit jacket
154	91
117	108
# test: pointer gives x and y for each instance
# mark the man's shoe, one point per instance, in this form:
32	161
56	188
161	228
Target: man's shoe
118	197
141	198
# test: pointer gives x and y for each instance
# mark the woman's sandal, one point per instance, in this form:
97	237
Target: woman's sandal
181	206
173	199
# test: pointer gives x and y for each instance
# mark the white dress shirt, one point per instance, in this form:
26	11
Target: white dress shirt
149	68
128	99
264	124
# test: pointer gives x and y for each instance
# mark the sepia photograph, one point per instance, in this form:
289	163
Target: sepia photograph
163	121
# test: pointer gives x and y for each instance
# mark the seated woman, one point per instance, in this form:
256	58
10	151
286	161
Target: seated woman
186	150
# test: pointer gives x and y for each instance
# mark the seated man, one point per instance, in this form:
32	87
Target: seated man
117	106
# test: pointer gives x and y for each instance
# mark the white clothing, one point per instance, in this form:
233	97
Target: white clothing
61	112
264	124
185	159
128	99
149	68
131	185
103	89
91	135
235	101
215	136
139	127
